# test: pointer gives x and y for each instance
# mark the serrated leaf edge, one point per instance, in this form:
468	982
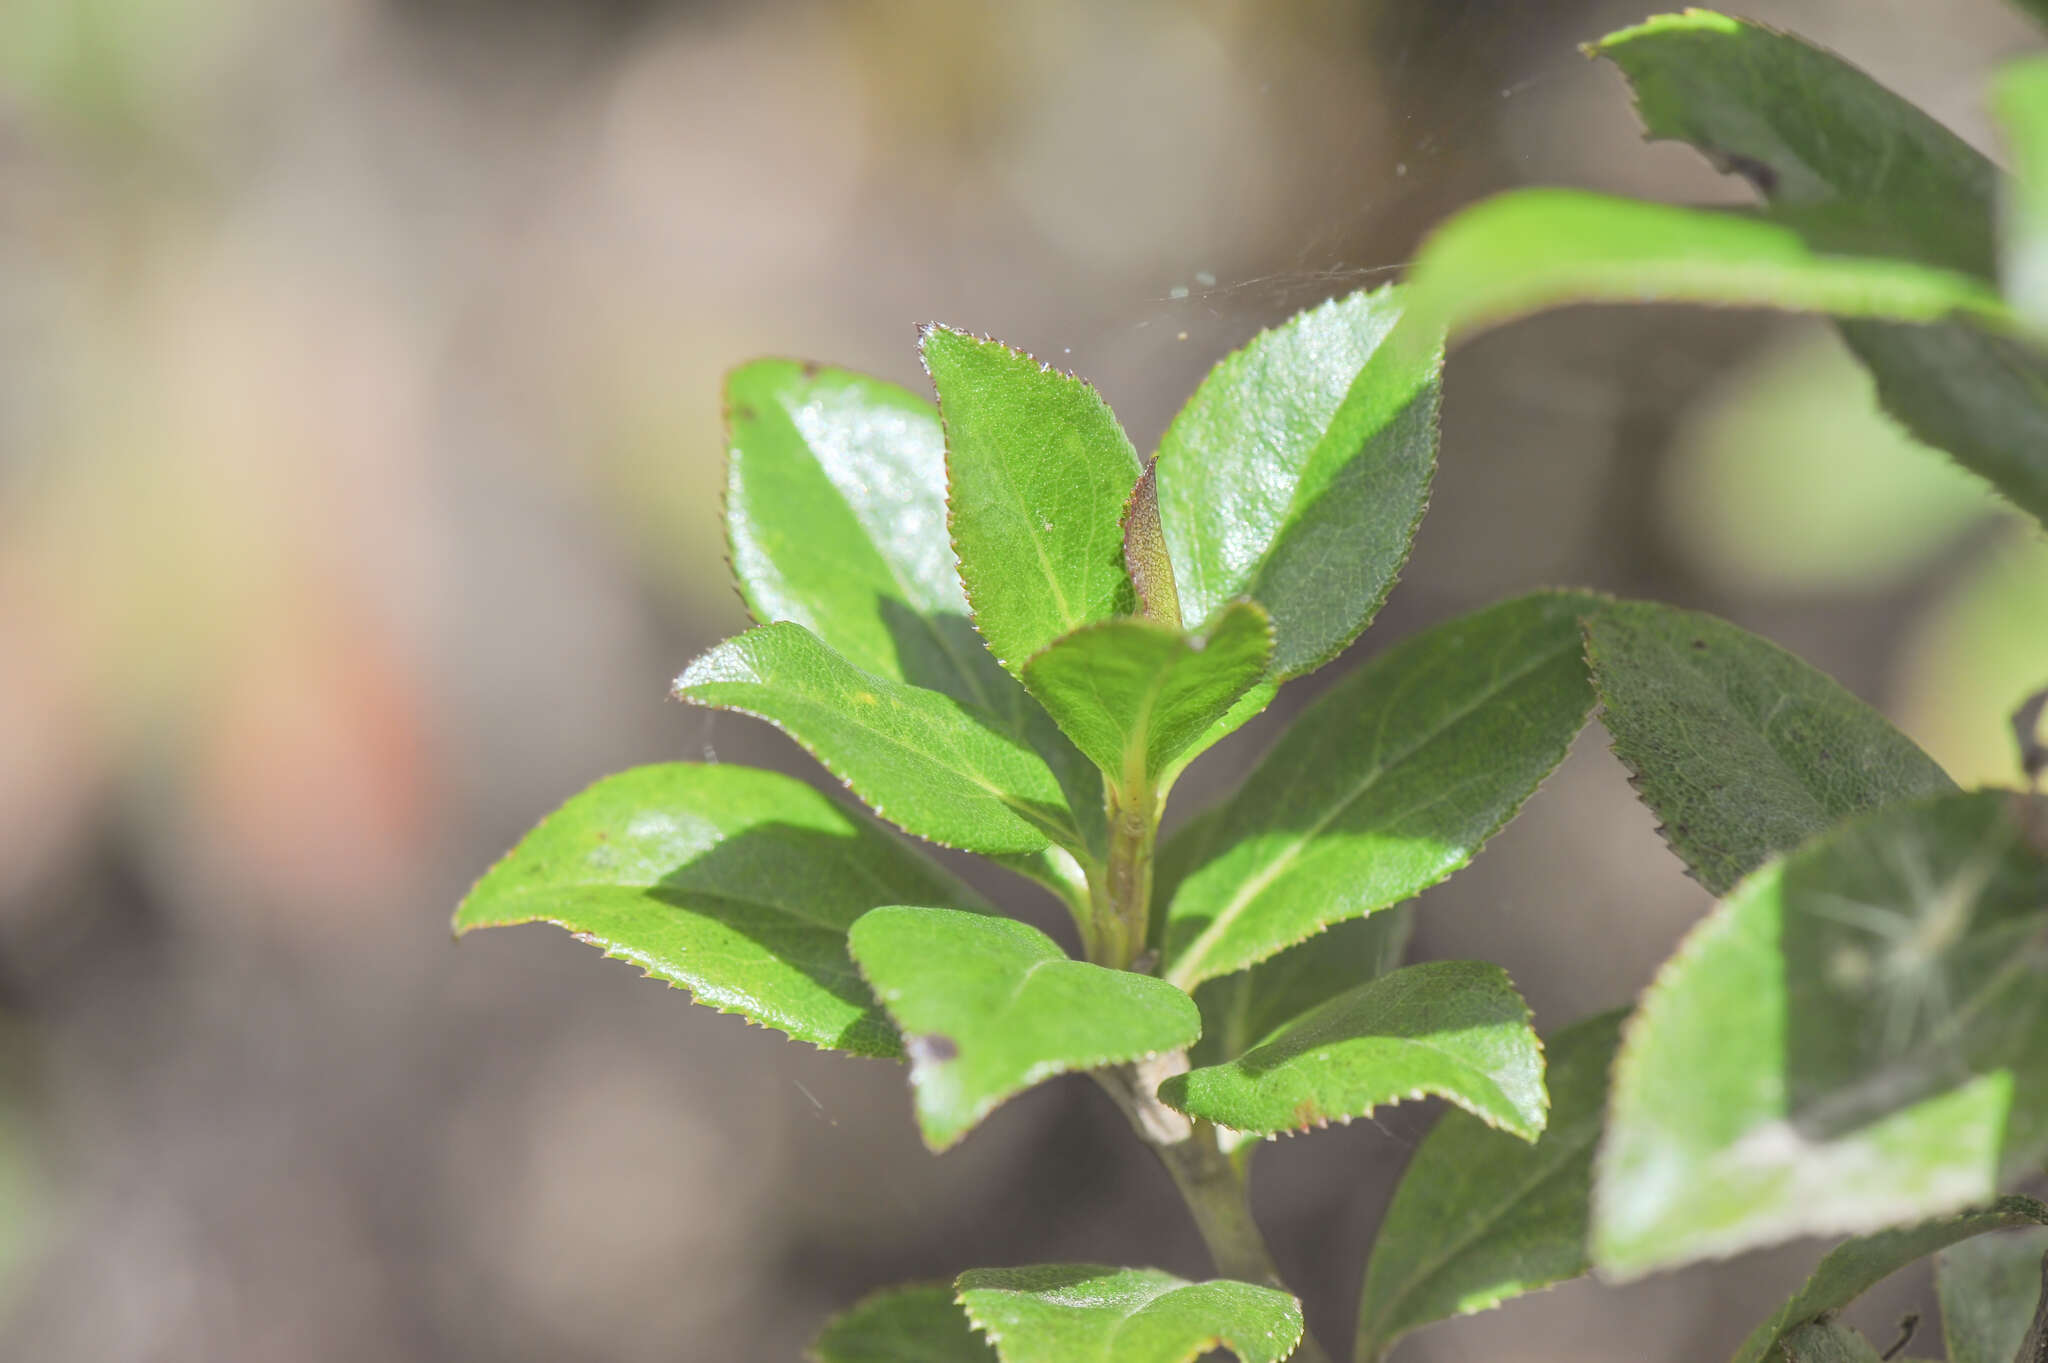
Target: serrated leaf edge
1216	1342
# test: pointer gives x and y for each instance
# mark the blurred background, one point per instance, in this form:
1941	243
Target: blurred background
359	496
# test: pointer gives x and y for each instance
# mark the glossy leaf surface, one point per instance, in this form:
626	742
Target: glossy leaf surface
1481	1215
1135	695
990	1006
1241	1010
1741	749
1854	1268
921	1324
1386	785
1038	474
1529	250
1453	1029
738	885
1854	168
1851	1040
919	758
1086	1313
1296	474
1991	1290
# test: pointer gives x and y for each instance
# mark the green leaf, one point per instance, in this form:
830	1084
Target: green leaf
1990	1289
738	885
2021	97
1854	1268
1529	250
922	1324
1740	748
836	515
1455	1029
1482	1216
919	758
1854	168
990	1006
1145	553
1241	1010
1296	475
1135	695
1086	1313
1038	473
1849	1041
1386	785
1828	1341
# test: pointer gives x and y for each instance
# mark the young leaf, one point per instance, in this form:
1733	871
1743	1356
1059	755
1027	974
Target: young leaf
1854	168
1849	1041
835	513
990	1006
922	1324
1827	1341
1482	1216
1529	250
2021	96
1038	472
919	758
1239	1011
1386	785
1455	1029
736	884
1086	1313
1992	1289
1743	750
1135	695
1854	1268
1145	553
1296	474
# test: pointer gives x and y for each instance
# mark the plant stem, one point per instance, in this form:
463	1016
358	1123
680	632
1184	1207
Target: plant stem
1209	1182
1124	896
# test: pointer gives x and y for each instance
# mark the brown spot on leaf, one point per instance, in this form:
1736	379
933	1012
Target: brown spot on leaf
932	1048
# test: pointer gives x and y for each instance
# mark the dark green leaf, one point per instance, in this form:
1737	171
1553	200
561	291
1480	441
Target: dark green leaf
1740	748
1991	1289
738	885
1296	474
1827	1341
1454	1029
836	514
919	758
1134	694
1241	1010
1533	249
1085	1313
990	1006
1849	1041
1386	785
1854	168
1038	472
1482	1216
1854	1268
921	1324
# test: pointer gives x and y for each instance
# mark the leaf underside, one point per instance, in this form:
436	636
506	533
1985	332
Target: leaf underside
919	1324
1991	1288
1086	1313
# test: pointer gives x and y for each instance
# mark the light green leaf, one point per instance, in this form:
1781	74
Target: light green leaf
1086	1313
1482	1216
738	885
1241	1010
1991	1288
990	1006
835	512
1855	169
1454	1029
1854	1268
922	1324
1827	1341
1529	250
919	758
1296	474
1386	785
1038	473
2021	97
1849	1041
1740	748
1135	695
